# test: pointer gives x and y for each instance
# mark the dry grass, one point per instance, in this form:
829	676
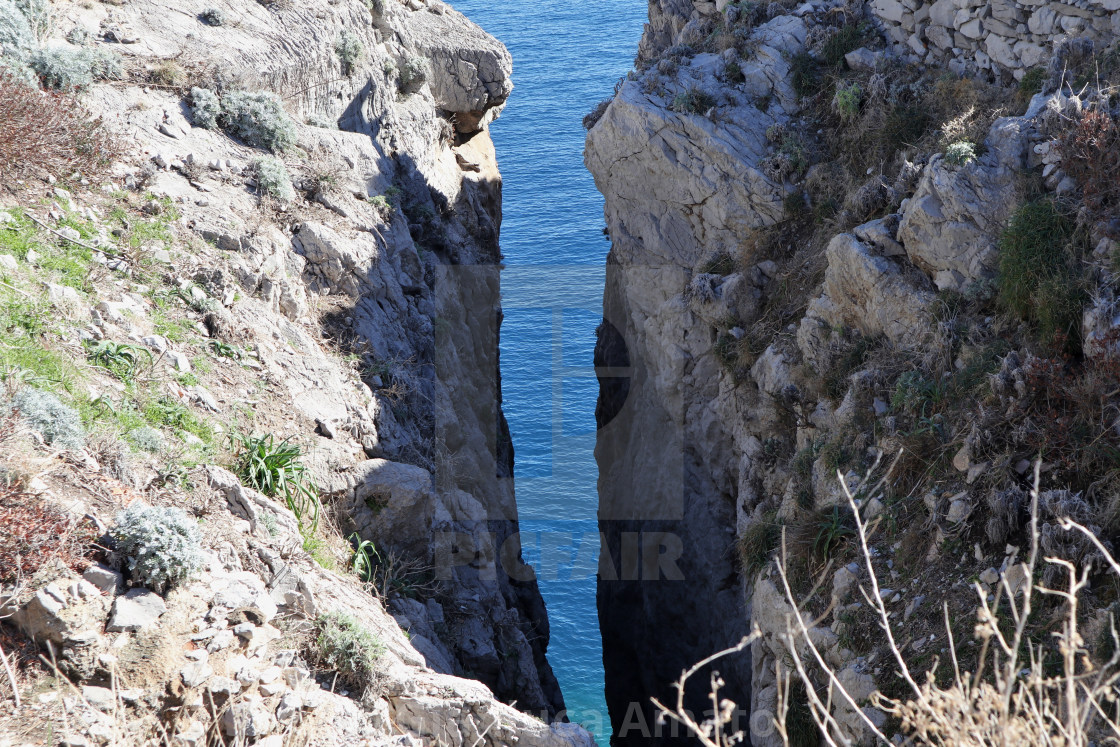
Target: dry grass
1049	692
47	132
1091	154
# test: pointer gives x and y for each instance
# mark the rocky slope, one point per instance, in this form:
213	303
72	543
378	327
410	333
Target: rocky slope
356	316
809	270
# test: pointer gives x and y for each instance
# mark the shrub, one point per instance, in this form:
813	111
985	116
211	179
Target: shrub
78	36
348	648
16	36
38	15
1032	83
212	17
275	469
272	178
35	532
315	119
1038	278
147	439
960	153
259	119
349	49
205	108
414	72
163	546
733	73
58	424
846	101
65	69
692	101
1091	154
42	131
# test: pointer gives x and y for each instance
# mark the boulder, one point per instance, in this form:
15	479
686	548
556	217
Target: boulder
136	610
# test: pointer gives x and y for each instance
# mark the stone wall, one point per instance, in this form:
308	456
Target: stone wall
1005	37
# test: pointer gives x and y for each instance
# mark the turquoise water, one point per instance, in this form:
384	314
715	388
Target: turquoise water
567	57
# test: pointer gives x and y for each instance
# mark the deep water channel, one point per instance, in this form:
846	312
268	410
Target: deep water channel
567	57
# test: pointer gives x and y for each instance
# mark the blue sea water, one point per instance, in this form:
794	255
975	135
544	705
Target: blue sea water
567	57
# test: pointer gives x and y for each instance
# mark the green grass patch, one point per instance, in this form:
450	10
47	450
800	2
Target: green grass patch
1040	280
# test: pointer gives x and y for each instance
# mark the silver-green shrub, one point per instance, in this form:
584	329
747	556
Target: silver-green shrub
16	38
162	546
960	153
212	17
348	648
259	119
414	72
315	119
205	108
59	425
65	69
38	15
147	439
78	36
349	49
272	178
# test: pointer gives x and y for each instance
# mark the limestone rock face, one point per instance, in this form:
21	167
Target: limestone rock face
392	237
701	390
951	225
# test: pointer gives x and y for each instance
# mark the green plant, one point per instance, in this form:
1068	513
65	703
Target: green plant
206	107
223	349
1039	281
834	528
915	394
162	545
364	561
58	424
414	73
121	360
274	468
343	645
1032	82
258	118
960	153
272	178
846	101
692	101
66	69
170	413
349	49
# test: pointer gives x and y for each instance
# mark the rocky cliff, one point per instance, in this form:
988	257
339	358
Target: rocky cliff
818	250
287	243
